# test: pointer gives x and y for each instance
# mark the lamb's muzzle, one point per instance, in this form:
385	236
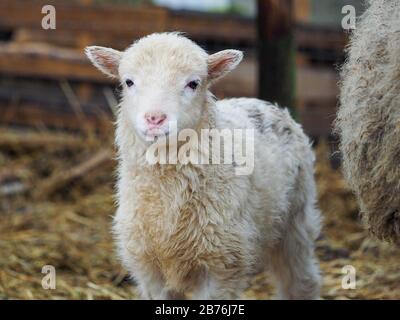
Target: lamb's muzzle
200	229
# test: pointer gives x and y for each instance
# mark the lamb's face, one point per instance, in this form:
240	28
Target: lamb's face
165	78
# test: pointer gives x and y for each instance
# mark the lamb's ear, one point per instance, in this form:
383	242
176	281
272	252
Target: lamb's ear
222	62
105	59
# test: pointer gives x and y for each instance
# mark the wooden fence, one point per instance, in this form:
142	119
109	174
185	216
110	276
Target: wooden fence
43	73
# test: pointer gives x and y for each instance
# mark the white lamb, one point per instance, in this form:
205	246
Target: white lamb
199	230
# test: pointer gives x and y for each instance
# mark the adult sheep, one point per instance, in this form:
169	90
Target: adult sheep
369	117
201	228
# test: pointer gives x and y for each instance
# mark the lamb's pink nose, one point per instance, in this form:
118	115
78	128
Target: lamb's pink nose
155	118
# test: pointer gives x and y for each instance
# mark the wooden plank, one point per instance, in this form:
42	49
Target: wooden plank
50	94
202	27
117	19
74	38
48	62
309	37
38	116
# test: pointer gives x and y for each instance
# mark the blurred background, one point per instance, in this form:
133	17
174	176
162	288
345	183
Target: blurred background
56	133
301	44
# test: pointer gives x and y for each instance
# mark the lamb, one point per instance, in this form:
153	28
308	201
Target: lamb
369	115
200	230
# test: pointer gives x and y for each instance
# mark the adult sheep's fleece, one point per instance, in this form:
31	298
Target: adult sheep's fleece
369	117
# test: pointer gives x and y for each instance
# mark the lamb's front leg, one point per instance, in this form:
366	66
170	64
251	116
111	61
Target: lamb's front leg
151	285
213	287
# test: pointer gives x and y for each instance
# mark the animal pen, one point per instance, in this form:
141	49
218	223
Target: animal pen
57	159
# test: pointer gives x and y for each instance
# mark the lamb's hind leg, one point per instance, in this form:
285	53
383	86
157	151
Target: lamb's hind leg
293	262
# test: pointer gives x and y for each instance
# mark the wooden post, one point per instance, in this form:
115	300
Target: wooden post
276	52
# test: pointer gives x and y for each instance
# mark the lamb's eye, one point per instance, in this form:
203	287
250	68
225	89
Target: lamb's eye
193	84
129	82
